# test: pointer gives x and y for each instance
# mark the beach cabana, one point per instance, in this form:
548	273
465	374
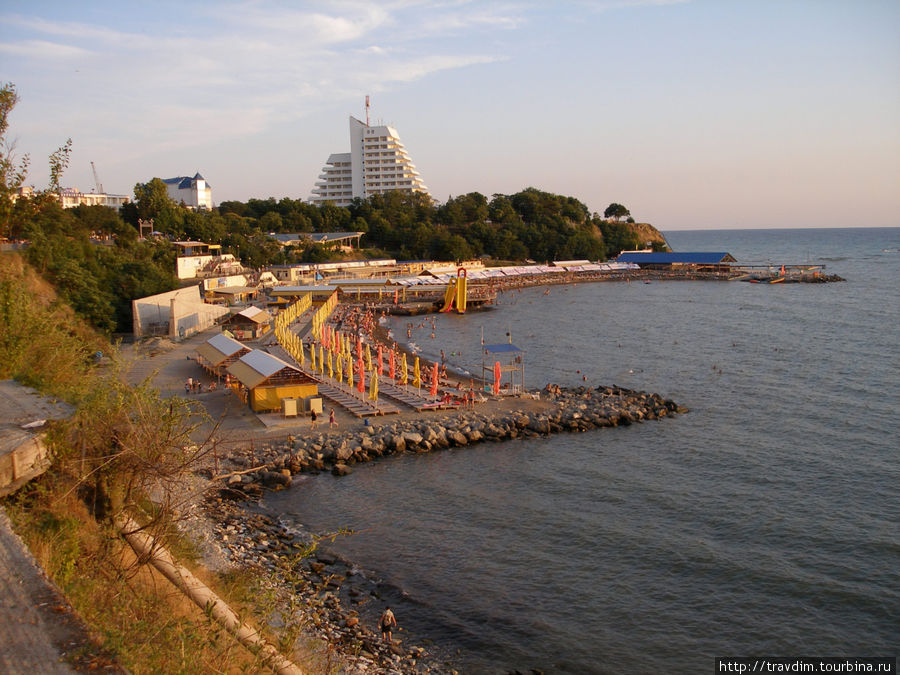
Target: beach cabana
219	352
249	323
267	380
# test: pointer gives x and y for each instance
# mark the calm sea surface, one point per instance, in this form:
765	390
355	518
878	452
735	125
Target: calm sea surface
764	522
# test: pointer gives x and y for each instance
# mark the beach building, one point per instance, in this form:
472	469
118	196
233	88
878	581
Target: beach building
699	261
342	241
265	381
219	352
196	259
177	313
377	163
194	192
69	198
249	324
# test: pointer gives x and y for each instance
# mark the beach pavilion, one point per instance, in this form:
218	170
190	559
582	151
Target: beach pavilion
718	261
249	323
265	380
219	352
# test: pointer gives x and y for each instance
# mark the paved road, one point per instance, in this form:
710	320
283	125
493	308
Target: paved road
37	626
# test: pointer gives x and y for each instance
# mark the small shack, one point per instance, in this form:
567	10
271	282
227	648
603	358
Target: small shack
250	323
701	261
219	352
503	369
232	295
267	380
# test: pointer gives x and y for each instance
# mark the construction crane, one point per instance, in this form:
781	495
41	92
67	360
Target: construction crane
97	180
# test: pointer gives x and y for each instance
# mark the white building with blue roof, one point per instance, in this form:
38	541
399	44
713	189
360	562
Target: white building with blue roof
194	192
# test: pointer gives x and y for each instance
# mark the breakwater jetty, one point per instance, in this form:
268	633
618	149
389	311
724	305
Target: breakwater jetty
335	596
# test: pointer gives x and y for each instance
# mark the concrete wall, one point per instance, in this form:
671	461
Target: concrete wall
182	310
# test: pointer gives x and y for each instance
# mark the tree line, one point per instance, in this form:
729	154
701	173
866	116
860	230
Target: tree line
99	263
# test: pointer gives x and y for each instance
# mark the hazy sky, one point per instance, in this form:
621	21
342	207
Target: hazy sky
694	114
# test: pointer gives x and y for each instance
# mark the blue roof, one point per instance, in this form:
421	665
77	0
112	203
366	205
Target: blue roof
695	258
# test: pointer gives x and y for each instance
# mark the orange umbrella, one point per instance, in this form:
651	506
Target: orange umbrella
361	371
496	377
434	380
391	365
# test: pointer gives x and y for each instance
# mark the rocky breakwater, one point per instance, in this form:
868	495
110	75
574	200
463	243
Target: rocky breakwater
334	593
559	410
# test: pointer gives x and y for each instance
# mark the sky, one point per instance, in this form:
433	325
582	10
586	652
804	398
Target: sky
694	114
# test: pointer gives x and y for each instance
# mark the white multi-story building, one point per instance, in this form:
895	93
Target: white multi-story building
377	163
194	192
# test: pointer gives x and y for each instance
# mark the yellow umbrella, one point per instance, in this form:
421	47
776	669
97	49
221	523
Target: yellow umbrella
350	373
417	375
330	368
312	357
321	359
368	358
298	347
373	387
339	375
403	370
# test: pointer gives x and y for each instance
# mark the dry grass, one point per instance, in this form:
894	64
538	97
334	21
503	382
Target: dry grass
134	613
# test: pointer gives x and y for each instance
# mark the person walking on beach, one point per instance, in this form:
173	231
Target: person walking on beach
388	621
312	419
331	421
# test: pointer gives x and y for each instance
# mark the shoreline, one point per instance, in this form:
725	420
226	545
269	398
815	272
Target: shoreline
333	592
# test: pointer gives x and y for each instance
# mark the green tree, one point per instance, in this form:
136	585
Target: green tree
59	162
13	171
616	211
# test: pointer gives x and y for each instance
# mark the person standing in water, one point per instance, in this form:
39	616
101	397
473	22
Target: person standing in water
388	621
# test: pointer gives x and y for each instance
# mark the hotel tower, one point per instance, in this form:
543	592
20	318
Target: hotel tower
377	163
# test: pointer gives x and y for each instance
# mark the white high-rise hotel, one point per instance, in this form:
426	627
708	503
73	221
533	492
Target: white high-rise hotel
377	163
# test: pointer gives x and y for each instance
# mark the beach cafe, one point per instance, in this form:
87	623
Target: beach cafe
265	381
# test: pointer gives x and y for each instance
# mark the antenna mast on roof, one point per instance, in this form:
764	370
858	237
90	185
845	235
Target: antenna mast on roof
367	110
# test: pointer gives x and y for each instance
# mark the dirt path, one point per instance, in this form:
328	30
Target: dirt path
40	630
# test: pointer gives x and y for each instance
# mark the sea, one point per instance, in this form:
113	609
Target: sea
764	522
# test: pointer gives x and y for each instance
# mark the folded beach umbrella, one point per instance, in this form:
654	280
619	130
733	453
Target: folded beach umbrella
330	368
368	358
434	380
350	373
379	368
373	387
497	373
339	374
391	364
417	374
321	359
360	369
404	372
312	356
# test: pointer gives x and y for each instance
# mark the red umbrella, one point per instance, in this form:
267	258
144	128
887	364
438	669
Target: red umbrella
434	380
380	367
391	364
496	377
361	369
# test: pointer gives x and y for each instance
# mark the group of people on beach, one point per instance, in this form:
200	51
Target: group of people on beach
194	386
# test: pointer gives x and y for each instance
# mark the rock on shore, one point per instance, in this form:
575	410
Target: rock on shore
329	586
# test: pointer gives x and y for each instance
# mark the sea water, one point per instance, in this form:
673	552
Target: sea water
764	522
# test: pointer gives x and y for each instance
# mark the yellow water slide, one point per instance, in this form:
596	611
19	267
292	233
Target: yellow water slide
461	284
449	295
